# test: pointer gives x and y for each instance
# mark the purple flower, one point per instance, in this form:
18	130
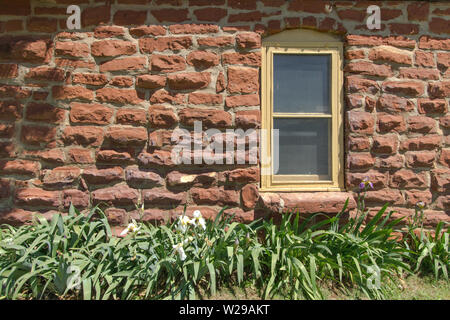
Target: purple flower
366	183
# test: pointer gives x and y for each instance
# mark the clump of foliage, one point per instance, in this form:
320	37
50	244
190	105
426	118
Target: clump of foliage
75	256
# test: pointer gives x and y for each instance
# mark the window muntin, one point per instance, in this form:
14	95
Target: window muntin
301	96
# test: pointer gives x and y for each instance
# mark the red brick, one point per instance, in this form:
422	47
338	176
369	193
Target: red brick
37	135
77	198
112	48
83	135
189	80
20	167
143	178
220	41
368	68
44	112
248	40
384	196
210	14
165	63
112	156
358	143
131	117
109	32
311	6
124	64
6	130
202	59
121	81
9	70
30	50
71	49
390	54
117	195
394	104
92	79
126	136
431	106
215	196
404	28
389	123
242	100
386	144
95	175
249	16
360	122
205	98
420	159
407	179
38	197
161	196
356	161
161	117
72	92
360	85
419	73
170	15
427	42
162	96
439	25
243	80
440	89
148	45
249	58
248	119
418	11
150	81
95	15
220	83
444	159
120	96
38	24
415	196
153	30
408	88
90	113
424	58
80	156
210	118
156	158
129	17
61	177
421	124
429	142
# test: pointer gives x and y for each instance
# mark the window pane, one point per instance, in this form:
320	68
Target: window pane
303	146
301	83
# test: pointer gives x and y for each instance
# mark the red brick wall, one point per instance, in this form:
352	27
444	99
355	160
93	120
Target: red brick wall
87	116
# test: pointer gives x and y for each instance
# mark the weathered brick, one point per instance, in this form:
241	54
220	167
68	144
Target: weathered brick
112	48
126	136
161	117
90	113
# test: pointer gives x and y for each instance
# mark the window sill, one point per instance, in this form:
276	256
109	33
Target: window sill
305	202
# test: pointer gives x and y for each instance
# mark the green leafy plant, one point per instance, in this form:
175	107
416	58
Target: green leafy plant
428	252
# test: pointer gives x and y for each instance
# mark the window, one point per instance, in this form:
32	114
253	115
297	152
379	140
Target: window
302	99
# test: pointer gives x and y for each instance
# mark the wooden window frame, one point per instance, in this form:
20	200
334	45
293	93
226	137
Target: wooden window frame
313	43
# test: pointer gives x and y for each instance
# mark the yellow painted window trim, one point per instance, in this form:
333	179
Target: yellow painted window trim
315	43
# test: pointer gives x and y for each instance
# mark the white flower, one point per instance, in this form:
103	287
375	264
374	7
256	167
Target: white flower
179	248
188	239
183	222
132	227
8	240
198	220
